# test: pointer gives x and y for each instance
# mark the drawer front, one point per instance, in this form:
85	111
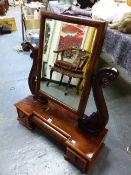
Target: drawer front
76	159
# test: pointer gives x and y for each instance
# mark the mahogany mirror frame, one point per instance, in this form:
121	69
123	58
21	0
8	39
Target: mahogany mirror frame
82	135
101	27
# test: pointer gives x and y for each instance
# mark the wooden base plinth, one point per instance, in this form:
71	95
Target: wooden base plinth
82	148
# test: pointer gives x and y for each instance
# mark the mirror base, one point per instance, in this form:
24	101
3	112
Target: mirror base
82	148
44	101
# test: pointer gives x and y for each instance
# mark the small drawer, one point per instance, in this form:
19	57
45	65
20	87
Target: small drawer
76	159
24	119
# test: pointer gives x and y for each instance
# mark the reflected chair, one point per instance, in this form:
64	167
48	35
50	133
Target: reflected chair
72	69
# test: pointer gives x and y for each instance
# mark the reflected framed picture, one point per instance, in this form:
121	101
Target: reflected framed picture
49	30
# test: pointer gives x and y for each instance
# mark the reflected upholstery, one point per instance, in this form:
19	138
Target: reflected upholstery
72	69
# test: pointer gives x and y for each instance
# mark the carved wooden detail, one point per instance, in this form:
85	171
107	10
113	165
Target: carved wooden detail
97	121
33	75
32	80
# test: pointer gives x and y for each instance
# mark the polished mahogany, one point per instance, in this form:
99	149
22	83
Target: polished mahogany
82	135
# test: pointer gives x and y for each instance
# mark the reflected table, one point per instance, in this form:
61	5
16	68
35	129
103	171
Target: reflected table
118	46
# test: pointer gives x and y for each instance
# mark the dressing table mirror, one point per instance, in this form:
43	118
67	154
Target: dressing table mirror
63	72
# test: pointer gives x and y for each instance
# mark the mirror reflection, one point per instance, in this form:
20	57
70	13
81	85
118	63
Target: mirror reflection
66	54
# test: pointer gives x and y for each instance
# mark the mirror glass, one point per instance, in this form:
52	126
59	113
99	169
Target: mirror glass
67	50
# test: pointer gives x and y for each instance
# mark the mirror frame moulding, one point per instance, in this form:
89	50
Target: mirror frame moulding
82	135
94	58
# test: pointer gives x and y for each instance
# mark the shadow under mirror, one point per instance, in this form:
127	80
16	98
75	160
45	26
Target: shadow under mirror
66	55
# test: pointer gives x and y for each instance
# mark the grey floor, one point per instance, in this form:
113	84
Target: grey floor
23	152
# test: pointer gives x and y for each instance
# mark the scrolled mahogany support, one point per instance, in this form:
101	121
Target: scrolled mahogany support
33	79
33	72
97	121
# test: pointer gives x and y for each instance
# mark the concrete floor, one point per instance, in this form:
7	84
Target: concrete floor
23	152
